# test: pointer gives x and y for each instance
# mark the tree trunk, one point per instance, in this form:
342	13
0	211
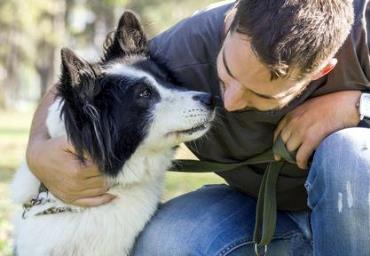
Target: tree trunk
45	66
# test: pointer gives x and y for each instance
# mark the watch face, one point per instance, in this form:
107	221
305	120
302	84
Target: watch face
365	105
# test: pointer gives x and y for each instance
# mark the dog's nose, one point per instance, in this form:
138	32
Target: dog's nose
206	99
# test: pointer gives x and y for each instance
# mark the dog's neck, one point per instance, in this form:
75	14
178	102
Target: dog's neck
144	166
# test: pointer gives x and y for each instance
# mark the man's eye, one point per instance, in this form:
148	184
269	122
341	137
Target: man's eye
146	93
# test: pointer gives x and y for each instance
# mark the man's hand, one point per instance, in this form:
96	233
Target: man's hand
304	128
53	161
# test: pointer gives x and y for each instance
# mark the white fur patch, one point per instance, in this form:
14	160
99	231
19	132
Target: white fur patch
125	70
54	123
28	183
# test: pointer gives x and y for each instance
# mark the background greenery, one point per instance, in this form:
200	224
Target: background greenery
32	32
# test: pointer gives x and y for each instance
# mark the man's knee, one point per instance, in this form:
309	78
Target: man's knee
198	223
340	165
344	151
160	238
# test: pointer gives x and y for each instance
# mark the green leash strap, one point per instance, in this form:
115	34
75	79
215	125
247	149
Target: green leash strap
266	205
266	210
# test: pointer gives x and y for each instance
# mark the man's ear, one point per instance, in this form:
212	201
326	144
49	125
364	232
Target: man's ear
128	39
326	69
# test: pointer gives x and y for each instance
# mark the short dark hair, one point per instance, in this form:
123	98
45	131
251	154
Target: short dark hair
294	35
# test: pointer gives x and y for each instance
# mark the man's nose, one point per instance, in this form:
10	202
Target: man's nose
233	101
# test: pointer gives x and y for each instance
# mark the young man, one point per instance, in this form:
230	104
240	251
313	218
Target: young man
277	67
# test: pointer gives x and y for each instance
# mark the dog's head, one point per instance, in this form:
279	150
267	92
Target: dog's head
112	107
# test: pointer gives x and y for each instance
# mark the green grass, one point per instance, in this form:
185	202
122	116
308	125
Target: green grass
13	137
14	128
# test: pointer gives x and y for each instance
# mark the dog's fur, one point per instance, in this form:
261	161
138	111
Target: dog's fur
128	118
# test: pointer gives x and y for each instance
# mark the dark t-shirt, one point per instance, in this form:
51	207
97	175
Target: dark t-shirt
189	50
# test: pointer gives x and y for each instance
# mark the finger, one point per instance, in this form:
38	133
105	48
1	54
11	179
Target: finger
293	142
95	183
280	126
303	154
285	134
309	144
70	196
94	201
73	188
277	132
94	192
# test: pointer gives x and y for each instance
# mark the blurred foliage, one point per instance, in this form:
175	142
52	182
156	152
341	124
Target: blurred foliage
33	31
158	15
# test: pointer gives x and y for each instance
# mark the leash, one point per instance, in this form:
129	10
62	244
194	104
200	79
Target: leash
266	209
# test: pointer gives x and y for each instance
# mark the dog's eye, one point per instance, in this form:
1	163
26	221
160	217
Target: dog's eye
145	93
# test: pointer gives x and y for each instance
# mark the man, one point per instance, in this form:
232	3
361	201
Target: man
280	75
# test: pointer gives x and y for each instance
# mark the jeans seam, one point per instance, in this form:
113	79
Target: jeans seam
237	244
233	246
309	184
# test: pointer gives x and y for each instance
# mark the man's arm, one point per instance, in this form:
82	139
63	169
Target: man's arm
305	127
53	162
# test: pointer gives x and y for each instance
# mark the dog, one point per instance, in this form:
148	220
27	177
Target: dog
129	118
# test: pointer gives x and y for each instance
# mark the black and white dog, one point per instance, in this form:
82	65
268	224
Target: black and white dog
123	113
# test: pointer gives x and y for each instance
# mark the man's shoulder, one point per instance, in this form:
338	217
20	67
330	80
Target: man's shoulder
360	8
193	40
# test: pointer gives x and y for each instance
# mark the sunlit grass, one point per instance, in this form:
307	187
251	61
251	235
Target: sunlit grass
14	129
13	137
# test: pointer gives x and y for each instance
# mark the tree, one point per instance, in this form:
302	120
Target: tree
33	31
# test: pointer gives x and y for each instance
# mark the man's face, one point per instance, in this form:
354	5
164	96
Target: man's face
245	82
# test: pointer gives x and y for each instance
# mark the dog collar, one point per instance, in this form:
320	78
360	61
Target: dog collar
42	199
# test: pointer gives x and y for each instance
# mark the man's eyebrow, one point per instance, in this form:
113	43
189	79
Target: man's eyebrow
230	74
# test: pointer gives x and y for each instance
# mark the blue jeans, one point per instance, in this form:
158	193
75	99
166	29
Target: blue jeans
217	220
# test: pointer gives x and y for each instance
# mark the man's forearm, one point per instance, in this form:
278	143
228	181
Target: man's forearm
38	127
39	130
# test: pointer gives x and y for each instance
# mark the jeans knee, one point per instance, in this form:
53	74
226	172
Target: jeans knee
345	143
341	165
152	241
343	150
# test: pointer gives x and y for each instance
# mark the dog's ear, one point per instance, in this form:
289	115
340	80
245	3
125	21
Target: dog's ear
76	69
78	77
128	39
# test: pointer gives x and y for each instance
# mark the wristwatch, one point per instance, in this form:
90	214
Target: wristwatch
364	106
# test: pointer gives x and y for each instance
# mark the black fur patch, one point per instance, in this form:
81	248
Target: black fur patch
110	125
107	116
